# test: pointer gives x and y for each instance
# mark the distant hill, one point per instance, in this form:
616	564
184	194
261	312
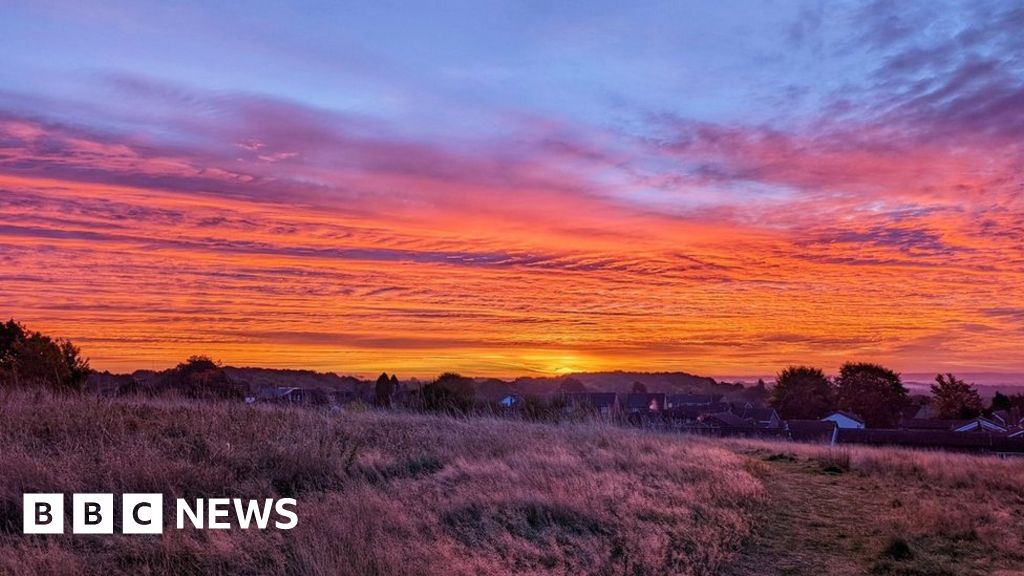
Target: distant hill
487	389
106	383
257	378
622	383
251	379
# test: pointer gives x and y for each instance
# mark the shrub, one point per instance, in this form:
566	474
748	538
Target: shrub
449	394
199	377
33	360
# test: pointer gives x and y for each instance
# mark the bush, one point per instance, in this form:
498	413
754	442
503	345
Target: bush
33	360
449	394
199	377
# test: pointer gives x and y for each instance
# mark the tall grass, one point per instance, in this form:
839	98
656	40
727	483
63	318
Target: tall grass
394	494
379	494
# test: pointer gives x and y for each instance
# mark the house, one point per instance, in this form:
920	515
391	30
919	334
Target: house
269	394
680	400
727	420
762	417
981	424
644	403
291	395
511	401
928	424
605	404
811	430
976	441
927	411
845	419
692	414
1011	418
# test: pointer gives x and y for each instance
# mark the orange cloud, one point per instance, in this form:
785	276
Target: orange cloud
360	253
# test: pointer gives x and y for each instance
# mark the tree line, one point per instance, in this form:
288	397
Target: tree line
873	392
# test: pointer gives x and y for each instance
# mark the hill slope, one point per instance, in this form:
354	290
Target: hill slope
622	382
385	493
378	493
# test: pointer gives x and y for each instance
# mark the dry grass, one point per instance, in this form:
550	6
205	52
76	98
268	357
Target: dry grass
888	510
383	494
378	494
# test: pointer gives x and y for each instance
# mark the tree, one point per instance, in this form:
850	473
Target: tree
802	392
199	377
11	334
873	392
451	393
77	367
1001	402
32	359
955	398
639	388
383	391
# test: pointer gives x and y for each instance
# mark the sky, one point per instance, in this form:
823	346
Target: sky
517	188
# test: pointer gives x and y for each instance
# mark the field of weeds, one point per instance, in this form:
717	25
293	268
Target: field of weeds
378	493
396	494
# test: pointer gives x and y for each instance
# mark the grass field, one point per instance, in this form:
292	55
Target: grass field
395	494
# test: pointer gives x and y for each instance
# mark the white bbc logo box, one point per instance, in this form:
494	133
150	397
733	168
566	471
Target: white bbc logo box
93	513
43	513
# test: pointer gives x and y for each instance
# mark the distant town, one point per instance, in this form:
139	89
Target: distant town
864	404
952	417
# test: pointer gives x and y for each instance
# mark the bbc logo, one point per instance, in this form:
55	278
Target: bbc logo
93	513
144	513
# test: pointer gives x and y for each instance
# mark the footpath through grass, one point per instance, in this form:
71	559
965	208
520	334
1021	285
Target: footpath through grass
826	515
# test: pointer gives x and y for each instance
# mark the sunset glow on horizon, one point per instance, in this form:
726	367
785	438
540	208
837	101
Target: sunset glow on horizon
517	188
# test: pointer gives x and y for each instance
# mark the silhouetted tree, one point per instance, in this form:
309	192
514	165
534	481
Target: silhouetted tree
639	388
383	391
873	392
11	334
451	393
77	367
955	398
33	359
199	377
1003	402
802	392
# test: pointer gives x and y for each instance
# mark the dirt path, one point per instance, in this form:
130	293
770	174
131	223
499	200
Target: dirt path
815	523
